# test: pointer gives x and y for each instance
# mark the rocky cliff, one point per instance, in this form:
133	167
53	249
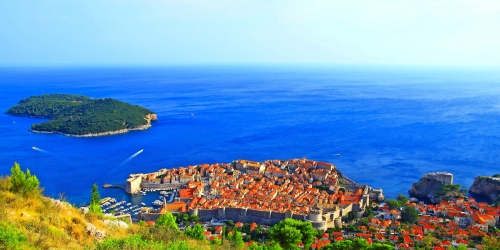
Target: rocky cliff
486	186
426	188
435	190
151	117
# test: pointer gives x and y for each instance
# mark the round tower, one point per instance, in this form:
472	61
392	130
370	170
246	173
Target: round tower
315	215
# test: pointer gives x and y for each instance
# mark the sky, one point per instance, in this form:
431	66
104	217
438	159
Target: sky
179	32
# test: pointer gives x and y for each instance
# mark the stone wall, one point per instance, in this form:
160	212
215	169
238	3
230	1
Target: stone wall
134	184
207	214
443	177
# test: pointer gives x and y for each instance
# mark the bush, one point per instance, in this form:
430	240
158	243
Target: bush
167	219
21	182
131	242
10	236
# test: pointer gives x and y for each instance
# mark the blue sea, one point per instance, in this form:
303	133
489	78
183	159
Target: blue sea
389	124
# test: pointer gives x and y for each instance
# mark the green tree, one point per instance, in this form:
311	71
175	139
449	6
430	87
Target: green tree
255	247
22	182
409	214
95	199
393	204
287	236
166	219
272	245
289	232
403	200
368	212
381	246
194	218
197	233
352	215
236	240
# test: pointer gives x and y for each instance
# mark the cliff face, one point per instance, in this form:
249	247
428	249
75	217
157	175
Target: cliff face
426	188
151	117
486	186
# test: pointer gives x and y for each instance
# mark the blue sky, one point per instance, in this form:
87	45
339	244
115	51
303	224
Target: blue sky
146	32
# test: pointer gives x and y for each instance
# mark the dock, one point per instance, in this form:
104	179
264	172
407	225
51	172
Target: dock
113	186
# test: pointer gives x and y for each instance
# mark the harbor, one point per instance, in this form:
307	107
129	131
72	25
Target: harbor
133	205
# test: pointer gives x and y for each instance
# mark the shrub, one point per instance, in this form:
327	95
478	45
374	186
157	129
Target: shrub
10	236
22	182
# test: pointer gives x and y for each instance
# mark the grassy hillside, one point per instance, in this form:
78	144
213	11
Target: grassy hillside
29	220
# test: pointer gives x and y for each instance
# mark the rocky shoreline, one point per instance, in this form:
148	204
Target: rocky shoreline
149	118
487	186
434	188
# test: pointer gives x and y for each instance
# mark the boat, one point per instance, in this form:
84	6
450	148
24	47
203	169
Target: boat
157	203
143	204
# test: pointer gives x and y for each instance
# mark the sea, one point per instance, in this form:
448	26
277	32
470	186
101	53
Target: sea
384	126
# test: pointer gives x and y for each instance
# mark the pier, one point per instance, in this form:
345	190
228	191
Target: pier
113	186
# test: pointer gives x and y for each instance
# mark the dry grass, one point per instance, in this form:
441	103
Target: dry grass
47	226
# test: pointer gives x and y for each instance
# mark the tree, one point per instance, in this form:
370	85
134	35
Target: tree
368	212
272	245
236	240
403	200
393	204
289	232
255	247
381	246
491	242
166	219
287	236
197	232
185	217
409	214
95	200
194	218
22	182
352	215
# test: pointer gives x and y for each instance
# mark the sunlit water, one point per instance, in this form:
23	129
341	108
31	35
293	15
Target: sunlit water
389	125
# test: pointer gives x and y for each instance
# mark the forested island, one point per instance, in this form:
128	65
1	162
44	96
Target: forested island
78	115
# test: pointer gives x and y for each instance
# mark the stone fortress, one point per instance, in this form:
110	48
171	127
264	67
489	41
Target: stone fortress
443	177
262	192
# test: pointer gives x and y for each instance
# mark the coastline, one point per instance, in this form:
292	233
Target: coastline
115	132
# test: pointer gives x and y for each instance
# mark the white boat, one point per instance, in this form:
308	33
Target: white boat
143	204
157	203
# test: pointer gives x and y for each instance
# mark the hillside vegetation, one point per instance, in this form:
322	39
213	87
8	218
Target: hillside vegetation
29	220
80	115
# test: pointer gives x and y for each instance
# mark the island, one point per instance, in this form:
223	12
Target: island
82	116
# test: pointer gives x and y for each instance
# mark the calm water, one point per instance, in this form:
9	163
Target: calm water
390	125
